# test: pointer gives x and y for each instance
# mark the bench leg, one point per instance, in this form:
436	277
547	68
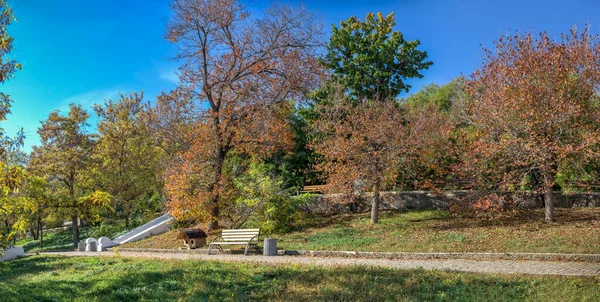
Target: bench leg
218	246
258	249
246	250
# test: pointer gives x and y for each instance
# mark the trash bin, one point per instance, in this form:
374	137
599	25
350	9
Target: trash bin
270	247
81	246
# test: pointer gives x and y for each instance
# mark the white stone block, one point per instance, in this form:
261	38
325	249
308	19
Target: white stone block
12	253
91	245
105	242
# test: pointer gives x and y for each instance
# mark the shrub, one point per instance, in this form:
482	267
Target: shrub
263	200
108	230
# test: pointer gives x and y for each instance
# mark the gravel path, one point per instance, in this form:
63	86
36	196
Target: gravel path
478	266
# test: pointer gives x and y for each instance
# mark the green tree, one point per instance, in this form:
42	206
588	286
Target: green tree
13	210
436	95
64	157
262	198
35	195
128	160
371	60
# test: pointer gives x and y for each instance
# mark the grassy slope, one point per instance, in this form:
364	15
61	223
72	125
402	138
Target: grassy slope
45	278
163	241
577	231
63	240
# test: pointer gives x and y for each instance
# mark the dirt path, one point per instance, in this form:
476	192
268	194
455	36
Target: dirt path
479	266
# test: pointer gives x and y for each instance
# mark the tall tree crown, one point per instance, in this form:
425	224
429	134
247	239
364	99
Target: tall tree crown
372	60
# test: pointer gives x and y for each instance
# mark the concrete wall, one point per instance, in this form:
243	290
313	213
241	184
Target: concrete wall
425	200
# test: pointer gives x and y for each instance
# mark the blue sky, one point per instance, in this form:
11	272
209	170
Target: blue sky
76	51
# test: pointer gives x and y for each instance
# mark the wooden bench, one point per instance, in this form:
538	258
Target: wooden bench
247	237
313	189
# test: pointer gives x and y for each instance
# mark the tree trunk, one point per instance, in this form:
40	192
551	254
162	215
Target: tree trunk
375	205
213	223
75	226
75	209
549	204
34	233
41	229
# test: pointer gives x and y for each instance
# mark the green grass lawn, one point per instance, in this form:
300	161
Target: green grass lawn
53	278
576	231
61	240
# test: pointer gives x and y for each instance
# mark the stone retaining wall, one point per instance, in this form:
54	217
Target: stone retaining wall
425	200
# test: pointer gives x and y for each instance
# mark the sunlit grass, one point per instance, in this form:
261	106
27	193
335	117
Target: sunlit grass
438	231
576	231
48	278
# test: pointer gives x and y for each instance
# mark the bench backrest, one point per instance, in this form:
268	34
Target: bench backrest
242	235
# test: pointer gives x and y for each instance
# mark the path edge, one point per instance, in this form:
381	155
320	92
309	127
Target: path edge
402	255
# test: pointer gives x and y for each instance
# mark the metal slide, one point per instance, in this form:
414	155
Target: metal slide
154	227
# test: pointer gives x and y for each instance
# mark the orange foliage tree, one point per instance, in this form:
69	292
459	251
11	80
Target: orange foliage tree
360	146
245	71
531	109
371	145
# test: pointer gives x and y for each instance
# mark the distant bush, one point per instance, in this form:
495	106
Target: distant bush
106	230
263	200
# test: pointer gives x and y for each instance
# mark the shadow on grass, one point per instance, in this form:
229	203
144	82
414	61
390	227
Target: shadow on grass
45	278
517	219
352	284
11	270
61	240
323	221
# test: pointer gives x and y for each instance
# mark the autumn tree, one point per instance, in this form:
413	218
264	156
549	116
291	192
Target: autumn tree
64	157
360	145
360	132
19	205
431	112
531	109
170	119
34	194
11	175
13	210
372	60
127	160
8	66
245	69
